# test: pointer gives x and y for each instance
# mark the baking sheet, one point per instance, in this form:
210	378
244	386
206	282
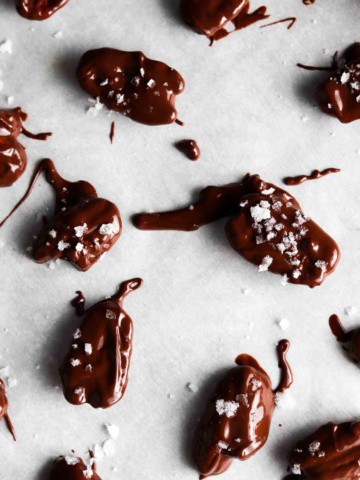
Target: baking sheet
250	109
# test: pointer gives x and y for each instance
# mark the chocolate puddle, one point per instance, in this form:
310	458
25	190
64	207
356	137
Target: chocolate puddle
351	339
329	453
268	228
211	17
315	174
70	467
4	405
339	95
189	148
96	368
39	9
132	84
13	158
236	422
83	226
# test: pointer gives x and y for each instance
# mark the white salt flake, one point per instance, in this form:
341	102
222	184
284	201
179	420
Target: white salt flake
88	348
106	229
77	334
321	264
52	233
351	311
314	447
58	34
71	459
63	245
113	430
283	324
79	247
227	408
110	315
269	191
10	100
75	362
260	213
109	447
345	77
192	387
80	230
6	47
151	83
265	263
223	445
296	469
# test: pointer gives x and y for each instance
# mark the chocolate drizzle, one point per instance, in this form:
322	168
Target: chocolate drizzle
39	9
83	226
237	419
339	95
132	84
268	228
96	368
189	148
70	467
290	20
112	132
351	339
330	453
4	405
315	174
211	17
13	157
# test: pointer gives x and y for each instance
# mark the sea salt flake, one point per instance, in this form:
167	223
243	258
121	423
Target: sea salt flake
71	459
151	83
345	77
109	447
113	430
77	334
314	447
269	191
223	445
63	245
265	263
321	264
6	47
259	213
75	362
227	408
80	230
283	324
351	311
106	229
52	233
88	348
110	315
296	469
192	387
58	34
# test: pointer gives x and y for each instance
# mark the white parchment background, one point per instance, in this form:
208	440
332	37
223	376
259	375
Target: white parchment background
250	109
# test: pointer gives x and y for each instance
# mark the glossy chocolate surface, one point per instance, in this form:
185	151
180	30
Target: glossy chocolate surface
315	174
4	405
13	157
39	9
189	148
332	452
83	226
237	418
349	339
212	17
96	368
132	84
70	467
339	95
268	228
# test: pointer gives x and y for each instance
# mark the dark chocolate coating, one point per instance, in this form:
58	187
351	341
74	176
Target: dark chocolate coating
83	226
339	95
332	452
132	84
4	406
189	148
96	368
351	339
283	237
210	17
39	9
13	157
237	419
72	468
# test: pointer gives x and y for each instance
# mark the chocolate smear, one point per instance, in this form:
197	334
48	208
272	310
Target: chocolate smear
83	226
315	174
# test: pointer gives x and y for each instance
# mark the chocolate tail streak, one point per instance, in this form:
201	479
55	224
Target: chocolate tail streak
291	20
286	379
36	136
334	65
125	289
315	174
338	329
10	426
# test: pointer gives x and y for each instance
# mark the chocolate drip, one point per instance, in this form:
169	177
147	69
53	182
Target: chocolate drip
269	228
79	303
112	132
132	84
70	467
39	9
96	368
330	453
13	157
83	226
315	174
308	2
4	405
351	340
291	20
189	148
237	419
211	17
339	95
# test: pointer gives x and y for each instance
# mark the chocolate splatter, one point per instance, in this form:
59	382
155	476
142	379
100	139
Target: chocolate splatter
13	157
212	17
237	419
112	132
329	453
132	84
70	467
268	228
39	9
339	95
4	405
79	303
189	148
351	339
83	226
315	174
96	368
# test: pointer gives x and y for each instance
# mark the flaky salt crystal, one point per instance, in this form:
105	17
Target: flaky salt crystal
227	408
